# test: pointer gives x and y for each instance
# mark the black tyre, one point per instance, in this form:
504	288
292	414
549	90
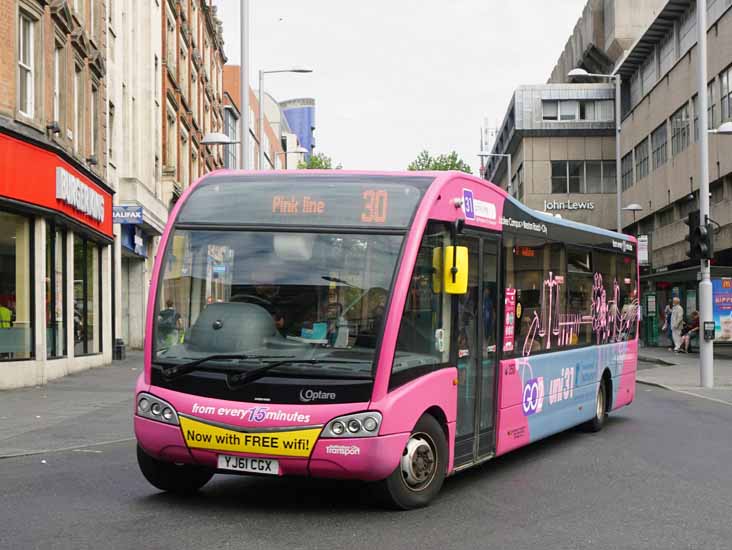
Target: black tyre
184	479
420	473
601	406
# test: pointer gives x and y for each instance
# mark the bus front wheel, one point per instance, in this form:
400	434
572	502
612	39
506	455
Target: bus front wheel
421	470
183	479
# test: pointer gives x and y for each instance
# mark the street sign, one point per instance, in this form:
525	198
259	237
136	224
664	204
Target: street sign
708	331
127	215
643	251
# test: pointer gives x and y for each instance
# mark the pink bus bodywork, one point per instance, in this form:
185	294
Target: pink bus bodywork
374	458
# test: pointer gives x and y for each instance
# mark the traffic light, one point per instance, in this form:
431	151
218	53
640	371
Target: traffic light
701	238
693	221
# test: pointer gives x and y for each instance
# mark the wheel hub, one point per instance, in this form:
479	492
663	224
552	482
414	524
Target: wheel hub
418	462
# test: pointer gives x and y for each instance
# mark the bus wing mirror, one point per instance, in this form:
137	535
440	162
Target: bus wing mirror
455	273
437	254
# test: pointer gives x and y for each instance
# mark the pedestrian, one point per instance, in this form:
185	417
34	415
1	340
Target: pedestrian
666	329
169	324
690	330
677	323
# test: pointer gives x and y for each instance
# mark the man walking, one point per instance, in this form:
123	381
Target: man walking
677	323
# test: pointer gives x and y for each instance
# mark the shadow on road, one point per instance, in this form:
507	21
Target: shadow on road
227	494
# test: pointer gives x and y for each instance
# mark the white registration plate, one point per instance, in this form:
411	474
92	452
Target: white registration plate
249	464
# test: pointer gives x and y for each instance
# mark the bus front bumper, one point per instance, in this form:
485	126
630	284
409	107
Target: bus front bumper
365	458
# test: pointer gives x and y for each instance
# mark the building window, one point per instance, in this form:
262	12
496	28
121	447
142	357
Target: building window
550	110
78	108
594	176
57	72
185	156
559	177
87	305
626	166
711	107
171	140
568	110
666	217
520	182
659	141
170	36
55	292
183	78
695	108
16	284
641	160
93	117
680	130
575	170
111	131
725	97
92	20
609	176
26	65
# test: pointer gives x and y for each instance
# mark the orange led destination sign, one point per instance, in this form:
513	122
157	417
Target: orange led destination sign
291	205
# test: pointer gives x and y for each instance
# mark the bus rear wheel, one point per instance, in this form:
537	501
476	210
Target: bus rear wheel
598	421
184	479
421	470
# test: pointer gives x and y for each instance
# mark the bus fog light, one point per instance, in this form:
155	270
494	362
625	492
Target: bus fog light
354	426
338	428
167	413
156	409
369	424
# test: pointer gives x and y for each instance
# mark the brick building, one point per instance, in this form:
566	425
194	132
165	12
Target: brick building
55	203
192	92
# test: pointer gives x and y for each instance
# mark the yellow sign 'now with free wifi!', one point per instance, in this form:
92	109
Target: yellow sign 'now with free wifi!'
297	443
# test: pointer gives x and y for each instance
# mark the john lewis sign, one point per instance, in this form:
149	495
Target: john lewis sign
553	205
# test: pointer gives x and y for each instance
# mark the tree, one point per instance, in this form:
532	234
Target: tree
451	161
319	161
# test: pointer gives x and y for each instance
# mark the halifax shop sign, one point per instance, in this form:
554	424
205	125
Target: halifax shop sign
127	215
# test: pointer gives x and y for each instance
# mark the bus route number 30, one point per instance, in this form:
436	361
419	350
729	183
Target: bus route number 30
374	206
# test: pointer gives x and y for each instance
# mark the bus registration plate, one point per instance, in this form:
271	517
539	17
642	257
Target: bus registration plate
248	464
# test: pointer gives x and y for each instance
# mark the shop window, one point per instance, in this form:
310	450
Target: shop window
55	292
87	305
427	311
16	283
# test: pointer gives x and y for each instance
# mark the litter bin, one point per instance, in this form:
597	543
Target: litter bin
118	353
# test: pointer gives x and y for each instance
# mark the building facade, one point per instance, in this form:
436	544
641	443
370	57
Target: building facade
561	140
55	201
134	107
192	93
660	143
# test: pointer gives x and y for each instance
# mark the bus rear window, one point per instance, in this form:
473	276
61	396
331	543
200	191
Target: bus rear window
379	202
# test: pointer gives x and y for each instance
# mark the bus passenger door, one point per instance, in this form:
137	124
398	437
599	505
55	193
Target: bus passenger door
476	352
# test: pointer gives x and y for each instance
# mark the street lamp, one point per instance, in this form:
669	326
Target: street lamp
299	70
618	169
724	129
509	186
296	151
635	207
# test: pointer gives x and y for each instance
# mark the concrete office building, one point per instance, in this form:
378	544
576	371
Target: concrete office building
562	146
55	201
561	136
660	142
134	65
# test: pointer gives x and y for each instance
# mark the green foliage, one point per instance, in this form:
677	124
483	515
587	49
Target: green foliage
451	161
319	161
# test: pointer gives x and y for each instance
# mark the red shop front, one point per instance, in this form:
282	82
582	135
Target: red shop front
55	232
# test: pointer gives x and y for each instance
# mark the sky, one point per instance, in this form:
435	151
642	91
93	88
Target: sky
393	77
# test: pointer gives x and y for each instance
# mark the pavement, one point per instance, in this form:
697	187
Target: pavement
78	410
681	372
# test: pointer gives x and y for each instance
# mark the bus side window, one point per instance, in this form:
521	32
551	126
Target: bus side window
425	323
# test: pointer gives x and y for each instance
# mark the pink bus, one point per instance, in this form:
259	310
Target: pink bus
394	328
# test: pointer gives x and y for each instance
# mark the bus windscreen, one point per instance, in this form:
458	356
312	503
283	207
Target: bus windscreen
304	200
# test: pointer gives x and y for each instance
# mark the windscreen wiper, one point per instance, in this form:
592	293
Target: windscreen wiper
174	370
236	380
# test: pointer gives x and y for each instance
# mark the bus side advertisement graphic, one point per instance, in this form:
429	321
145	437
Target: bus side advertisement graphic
295	443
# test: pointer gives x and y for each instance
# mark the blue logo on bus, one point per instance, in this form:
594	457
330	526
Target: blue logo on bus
533	396
468	204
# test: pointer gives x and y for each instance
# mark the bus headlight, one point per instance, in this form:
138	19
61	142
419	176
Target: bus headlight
365	424
154	408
